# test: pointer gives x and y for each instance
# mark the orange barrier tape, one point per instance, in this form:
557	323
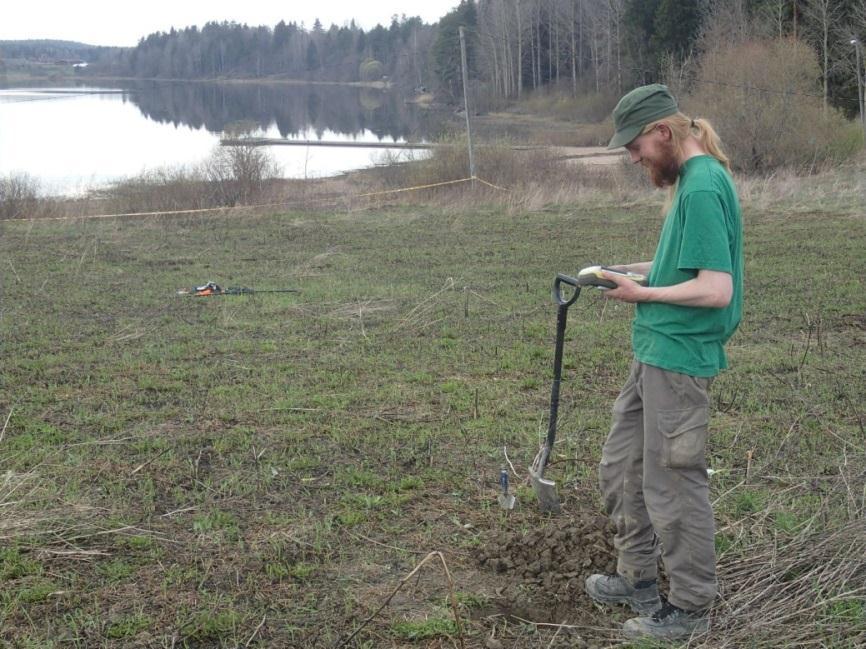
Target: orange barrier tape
502	189
258	205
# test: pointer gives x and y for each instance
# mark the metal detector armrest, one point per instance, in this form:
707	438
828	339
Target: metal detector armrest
594	276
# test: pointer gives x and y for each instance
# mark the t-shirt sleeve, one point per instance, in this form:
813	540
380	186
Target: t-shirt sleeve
705	242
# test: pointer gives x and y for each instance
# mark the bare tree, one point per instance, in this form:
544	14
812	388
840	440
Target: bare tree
857	38
599	23
519	13
772	14
616	8
551	40
730	22
823	17
574	17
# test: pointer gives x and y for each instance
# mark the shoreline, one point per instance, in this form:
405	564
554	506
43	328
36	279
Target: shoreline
5	81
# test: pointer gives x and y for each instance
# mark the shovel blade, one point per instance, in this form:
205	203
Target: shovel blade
545	490
506	501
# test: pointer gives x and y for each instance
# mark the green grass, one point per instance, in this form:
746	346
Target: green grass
187	468
127	626
425	629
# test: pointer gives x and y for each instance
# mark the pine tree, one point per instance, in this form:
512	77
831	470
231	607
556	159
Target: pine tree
639	18
446	48
675	26
313	62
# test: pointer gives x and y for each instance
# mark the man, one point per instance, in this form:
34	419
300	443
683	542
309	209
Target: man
653	471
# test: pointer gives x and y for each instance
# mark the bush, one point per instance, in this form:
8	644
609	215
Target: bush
371	70
497	163
230	176
160	190
239	172
19	196
589	107
763	99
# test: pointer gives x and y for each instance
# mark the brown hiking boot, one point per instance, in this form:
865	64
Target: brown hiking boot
616	589
668	623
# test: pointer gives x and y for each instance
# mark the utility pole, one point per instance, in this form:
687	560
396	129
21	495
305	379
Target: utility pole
415	53
858	72
466	103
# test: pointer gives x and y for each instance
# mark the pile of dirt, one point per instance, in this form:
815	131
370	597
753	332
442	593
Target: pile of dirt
556	557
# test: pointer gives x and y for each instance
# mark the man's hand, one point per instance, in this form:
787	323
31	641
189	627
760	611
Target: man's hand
711	289
626	290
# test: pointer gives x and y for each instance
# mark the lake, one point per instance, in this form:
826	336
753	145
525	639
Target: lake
72	139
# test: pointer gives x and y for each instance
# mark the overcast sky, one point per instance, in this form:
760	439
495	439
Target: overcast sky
115	22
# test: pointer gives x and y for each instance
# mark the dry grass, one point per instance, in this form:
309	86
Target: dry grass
585	107
799	192
530	179
525	179
260	458
807	591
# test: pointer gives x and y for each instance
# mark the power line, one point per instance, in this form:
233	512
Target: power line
751	88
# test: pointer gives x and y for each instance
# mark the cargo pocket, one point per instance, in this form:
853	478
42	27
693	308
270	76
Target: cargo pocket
684	437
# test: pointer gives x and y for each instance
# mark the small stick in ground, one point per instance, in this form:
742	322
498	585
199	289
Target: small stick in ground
553	639
153	459
255	633
8	417
505	452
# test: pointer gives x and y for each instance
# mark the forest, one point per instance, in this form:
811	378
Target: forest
514	46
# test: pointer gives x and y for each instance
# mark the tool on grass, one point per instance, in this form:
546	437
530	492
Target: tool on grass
592	276
544	488
212	288
506	500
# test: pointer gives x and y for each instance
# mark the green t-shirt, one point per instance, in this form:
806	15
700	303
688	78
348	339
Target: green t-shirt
702	230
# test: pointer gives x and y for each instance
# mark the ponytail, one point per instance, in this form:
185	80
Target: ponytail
710	140
681	127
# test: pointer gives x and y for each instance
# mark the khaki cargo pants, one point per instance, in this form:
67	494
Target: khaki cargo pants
654	482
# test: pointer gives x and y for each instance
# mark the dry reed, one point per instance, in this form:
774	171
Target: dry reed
806	591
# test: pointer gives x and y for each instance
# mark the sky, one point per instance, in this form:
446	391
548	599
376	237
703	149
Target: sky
114	22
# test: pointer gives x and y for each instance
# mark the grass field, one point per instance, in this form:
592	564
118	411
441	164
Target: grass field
263	471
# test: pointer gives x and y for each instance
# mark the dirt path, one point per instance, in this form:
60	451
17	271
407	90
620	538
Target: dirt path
592	155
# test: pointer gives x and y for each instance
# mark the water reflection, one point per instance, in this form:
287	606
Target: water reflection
73	139
294	109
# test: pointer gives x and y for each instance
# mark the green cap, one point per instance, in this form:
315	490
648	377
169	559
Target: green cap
638	108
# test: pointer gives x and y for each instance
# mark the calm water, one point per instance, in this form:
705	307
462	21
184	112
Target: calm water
76	138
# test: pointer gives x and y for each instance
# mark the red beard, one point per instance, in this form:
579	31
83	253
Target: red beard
665	169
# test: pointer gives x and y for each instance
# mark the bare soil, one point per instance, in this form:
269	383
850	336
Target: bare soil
542	570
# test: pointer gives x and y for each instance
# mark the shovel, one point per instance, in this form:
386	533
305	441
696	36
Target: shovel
545	489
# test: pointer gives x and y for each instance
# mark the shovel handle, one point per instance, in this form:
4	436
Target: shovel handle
558	297
561	317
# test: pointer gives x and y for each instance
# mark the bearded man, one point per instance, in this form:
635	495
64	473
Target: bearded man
653	471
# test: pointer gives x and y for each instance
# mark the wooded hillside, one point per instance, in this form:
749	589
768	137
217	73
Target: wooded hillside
578	46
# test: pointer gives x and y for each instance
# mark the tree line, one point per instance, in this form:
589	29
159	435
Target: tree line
222	50
612	45
514	46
